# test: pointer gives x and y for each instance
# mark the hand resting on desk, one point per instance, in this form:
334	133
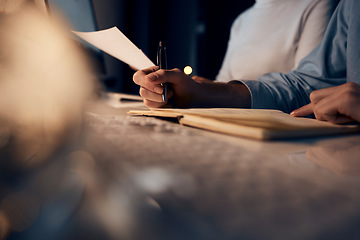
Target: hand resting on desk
338	105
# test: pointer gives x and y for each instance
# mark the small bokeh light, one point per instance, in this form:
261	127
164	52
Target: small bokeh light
188	70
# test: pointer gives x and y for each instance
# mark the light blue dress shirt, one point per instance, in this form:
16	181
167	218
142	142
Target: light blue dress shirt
334	62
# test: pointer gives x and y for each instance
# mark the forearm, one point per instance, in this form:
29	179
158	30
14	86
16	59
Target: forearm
215	94
187	92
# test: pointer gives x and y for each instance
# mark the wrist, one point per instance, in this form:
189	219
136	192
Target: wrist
243	93
215	94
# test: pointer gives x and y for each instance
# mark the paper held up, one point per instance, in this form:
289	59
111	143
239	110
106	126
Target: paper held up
115	43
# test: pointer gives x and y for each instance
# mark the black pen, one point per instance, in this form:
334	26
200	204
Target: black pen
162	63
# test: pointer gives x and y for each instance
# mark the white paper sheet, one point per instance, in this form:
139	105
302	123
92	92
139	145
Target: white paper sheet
115	43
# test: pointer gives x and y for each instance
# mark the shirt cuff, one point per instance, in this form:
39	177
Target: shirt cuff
261	97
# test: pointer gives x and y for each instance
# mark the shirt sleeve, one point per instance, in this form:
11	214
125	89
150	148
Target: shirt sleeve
324	67
224	72
315	19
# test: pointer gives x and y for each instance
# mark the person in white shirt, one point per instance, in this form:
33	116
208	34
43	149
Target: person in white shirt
273	36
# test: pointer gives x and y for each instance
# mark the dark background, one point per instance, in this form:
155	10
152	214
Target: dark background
195	32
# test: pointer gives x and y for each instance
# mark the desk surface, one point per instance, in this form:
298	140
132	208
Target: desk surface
146	178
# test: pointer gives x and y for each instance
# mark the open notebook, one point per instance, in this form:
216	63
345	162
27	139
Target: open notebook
253	123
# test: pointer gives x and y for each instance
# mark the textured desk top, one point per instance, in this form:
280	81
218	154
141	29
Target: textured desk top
145	178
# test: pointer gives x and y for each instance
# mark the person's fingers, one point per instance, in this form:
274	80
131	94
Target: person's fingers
330	109
151	80
333	118
342	119
196	77
149	95
151	104
200	79
150	69
138	75
177	76
318	95
303	111
173	76
336	104
315	97
145	79
146	71
325	113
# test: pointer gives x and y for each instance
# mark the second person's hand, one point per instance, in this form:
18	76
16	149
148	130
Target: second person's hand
340	104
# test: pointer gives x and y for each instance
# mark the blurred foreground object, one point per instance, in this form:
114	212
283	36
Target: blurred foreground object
10	6
45	84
